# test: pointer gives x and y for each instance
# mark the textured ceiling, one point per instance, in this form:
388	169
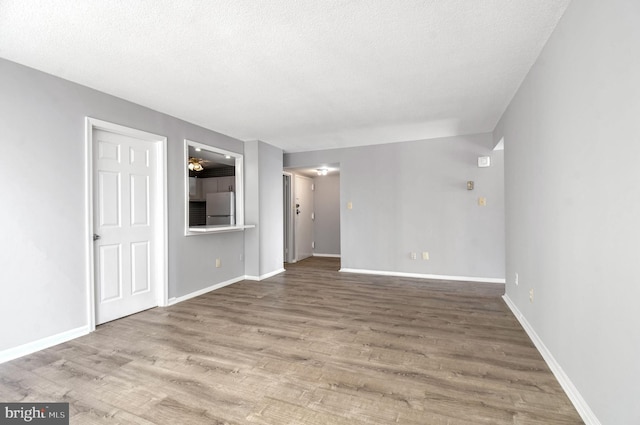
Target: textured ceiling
299	74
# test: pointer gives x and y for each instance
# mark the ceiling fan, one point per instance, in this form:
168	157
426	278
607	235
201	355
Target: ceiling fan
195	164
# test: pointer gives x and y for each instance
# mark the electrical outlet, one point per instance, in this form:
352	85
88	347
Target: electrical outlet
349	205
516	279
482	201
425	255
531	294
218	263
414	256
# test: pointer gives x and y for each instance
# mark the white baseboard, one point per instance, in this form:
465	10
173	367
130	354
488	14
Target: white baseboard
203	291
572	392
316	254
264	276
425	276
41	344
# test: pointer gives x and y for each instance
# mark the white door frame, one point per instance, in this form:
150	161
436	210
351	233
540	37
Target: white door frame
162	283
296	217
289	242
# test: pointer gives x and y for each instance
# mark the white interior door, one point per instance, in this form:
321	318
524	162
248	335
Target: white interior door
125	183
303	217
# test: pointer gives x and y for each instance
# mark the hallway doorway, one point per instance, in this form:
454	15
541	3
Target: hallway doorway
311	213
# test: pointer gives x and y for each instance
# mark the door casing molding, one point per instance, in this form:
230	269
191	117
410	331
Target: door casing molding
161	206
288	202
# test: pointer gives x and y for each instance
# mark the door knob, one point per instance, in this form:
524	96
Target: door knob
96	237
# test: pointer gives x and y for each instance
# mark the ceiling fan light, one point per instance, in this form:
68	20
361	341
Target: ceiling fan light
194	164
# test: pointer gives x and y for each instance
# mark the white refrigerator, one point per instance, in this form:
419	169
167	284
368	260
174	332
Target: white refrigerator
221	209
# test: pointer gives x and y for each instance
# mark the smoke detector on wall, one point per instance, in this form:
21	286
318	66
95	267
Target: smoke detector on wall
484	161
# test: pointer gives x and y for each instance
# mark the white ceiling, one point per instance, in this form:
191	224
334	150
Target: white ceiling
332	170
299	74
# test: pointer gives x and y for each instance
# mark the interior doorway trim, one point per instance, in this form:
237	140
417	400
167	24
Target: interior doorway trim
161	206
289	239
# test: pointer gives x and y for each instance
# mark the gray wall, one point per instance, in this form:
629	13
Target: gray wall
42	231
573	200
326	226
412	196
264	208
252	209
271	210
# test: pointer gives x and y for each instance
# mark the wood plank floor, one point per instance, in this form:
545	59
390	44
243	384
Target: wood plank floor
310	346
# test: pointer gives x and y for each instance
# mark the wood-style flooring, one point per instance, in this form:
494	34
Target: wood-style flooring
310	346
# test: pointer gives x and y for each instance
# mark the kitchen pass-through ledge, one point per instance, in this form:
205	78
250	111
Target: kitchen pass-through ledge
199	230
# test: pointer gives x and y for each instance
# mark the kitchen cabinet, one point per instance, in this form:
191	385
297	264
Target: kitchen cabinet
217	184
226	184
209	185
195	188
